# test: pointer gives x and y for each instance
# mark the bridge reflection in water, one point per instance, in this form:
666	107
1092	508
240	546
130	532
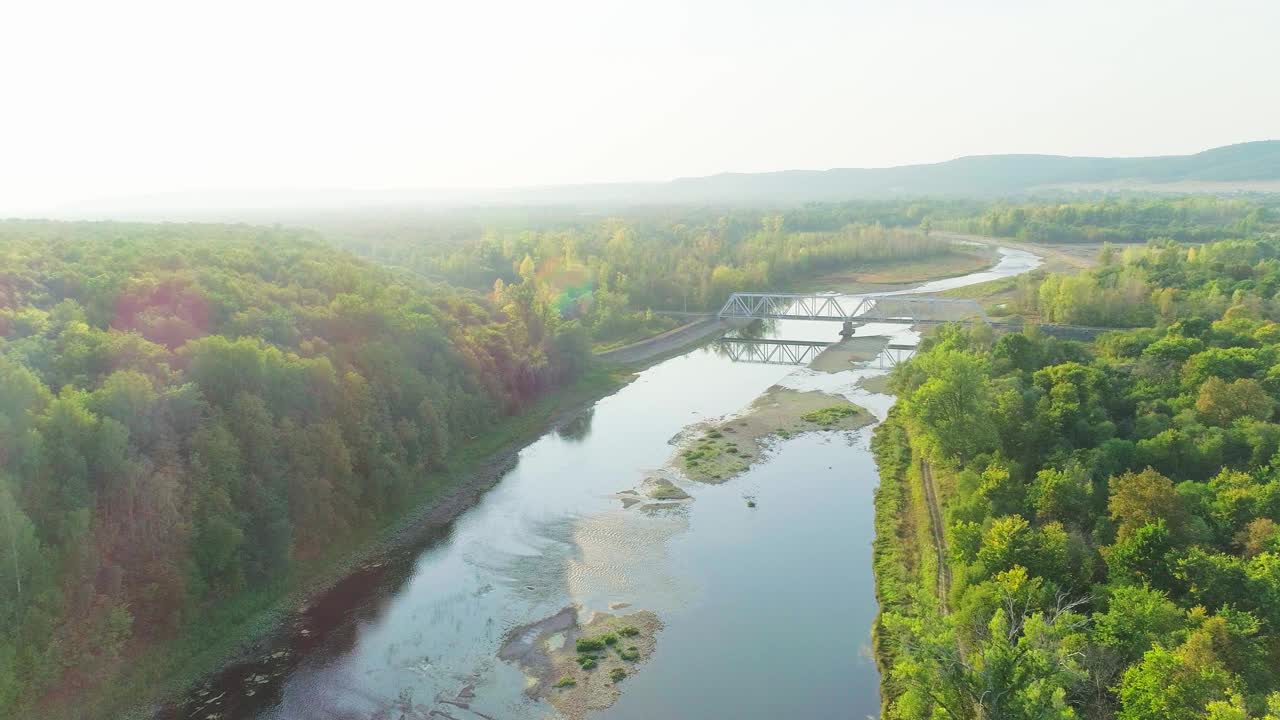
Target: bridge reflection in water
771	352
796	352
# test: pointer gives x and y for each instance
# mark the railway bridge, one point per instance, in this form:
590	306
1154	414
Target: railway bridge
851	311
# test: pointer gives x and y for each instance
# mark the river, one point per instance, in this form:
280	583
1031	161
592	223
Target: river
767	609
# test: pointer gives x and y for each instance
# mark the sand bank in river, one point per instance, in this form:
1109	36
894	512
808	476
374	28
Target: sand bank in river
875	384
580	668
842	355
715	452
655	492
904	274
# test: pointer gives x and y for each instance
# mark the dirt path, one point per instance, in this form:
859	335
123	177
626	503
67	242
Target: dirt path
664	344
939	537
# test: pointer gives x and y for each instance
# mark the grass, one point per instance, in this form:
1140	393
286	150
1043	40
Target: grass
713	456
829	416
664	490
657	326
223	629
902	561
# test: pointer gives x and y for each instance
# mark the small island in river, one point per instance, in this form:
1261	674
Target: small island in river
579	668
718	451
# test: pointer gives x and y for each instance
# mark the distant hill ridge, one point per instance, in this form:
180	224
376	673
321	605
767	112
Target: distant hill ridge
1251	166
1251	162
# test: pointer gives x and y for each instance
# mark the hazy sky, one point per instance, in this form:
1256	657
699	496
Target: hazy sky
127	97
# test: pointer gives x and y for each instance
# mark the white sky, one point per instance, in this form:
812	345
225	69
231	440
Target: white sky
102	99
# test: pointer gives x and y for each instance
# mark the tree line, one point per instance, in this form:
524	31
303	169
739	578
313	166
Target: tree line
611	273
1121	220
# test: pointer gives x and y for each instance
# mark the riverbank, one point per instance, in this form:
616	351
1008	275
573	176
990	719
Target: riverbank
664	345
243	634
965	259
1058	257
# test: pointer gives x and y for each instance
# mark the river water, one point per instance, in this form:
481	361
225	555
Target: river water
767	610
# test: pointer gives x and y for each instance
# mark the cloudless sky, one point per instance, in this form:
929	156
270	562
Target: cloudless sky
128	97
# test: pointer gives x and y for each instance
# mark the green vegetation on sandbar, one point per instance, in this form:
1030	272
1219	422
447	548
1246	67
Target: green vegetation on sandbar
829	416
586	645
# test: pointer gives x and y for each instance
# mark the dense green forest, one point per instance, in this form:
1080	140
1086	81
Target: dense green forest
187	412
611	272
1193	219
1109	510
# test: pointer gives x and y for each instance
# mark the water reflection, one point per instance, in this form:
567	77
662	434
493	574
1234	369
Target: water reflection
577	429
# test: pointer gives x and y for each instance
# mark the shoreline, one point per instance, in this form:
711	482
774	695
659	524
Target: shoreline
658	347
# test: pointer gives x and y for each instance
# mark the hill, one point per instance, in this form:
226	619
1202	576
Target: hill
1245	167
1237	167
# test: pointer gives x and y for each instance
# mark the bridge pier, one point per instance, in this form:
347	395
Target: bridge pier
847	330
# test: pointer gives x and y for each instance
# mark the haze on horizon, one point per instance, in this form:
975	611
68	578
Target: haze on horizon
145	98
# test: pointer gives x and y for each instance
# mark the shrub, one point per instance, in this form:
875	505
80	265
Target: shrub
631	654
628	631
617	674
586	662
586	645
610	639
566	681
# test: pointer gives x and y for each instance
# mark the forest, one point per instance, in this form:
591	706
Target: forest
189	412
1109	511
611	273
1122	220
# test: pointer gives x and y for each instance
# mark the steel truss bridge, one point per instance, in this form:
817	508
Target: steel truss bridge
850	309
853	311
